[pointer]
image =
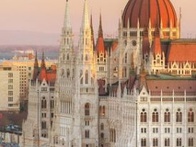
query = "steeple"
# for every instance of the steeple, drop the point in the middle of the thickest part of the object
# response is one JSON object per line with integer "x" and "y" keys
{"x": 36, "y": 68}
{"x": 100, "y": 33}
{"x": 43, "y": 74}
{"x": 43, "y": 65}
{"x": 67, "y": 22}
{"x": 100, "y": 48}
{"x": 85, "y": 19}
{"x": 92, "y": 32}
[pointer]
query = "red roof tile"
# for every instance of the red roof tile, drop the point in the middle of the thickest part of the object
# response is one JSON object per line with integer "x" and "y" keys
{"x": 182, "y": 51}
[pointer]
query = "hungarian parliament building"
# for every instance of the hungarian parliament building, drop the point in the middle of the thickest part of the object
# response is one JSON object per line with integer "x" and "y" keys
{"x": 137, "y": 90}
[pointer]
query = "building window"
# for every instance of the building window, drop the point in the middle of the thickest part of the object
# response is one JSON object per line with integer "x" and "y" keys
{"x": 167, "y": 142}
{"x": 167, "y": 116}
{"x": 44, "y": 103}
{"x": 86, "y": 77}
{"x": 101, "y": 68}
{"x": 167, "y": 130}
{"x": 52, "y": 104}
{"x": 43, "y": 115}
{"x": 190, "y": 116}
{"x": 67, "y": 56}
{"x": 87, "y": 109}
{"x": 190, "y": 130}
{"x": 10, "y": 75}
{"x": 102, "y": 135}
{"x": 155, "y": 116}
{"x": 143, "y": 116}
{"x": 155, "y": 142}
{"x": 43, "y": 125}
{"x": 10, "y": 86}
{"x": 102, "y": 126}
{"x": 102, "y": 110}
{"x": 112, "y": 135}
{"x": 10, "y": 99}
{"x": 178, "y": 142}
{"x": 179, "y": 116}
{"x": 143, "y": 130}
{"x": 68, "y": 73}
{"x": 87, "y": 134}
{"x": 125, "y": 57}
{"x": 190, "y": 142}
{"x": 143, "y": 142}
{"x": 10, "y": 93}
{"x": 155, "y": 130}
{"x": 178, "y": 130}
{"x": 87, "y": 123}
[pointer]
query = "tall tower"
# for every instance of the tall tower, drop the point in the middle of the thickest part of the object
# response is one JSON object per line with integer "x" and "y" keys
{"x": 102, "y": 60}
{"x": 64, "y": 85}
{"x": 85, "y": 125}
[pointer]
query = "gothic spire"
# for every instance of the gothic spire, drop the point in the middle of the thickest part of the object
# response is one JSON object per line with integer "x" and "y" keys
{"x": 100, "y": 27}
{"x": 36, "y": 67}
{"x": 43, "y": 65}
{"x": 67, "y": 22}
{"x": 85, "y": 19}
{"x": 43, "y": 74}
{"x": 92, "y": 32}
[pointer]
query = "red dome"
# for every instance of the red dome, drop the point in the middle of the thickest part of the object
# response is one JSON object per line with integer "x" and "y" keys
{"x": 145, "y": 10}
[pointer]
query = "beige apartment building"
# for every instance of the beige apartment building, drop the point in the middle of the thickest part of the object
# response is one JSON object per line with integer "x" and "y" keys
{"x": 25, "y": 71}
{"x": 9, "y": 100}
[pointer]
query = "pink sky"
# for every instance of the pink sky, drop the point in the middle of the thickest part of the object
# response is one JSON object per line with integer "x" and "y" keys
{"x": 47, "y": 15}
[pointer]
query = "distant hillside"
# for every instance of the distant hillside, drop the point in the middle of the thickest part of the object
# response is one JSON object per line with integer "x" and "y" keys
{"x": 28, "y": 38}
{"x": 8, "y": 51}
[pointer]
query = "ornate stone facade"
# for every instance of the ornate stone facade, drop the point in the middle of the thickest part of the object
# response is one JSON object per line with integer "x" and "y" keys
{"x": 133, "y": 92}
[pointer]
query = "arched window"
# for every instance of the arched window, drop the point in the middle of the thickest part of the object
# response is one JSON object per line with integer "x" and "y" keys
{"x": 155, "y": 116}
{"x": 167, "y": 141}
{"x": 143, "y": 116}
{"x": 68, "y": 73}
{"x": 167, "y": 116}
{"x": 103, "y": 113}
{"x": 102, "y": 135}
{"x": 87, "y": 109}
{"x": 143, "y": 142}
{"x": 190, "y": 116}
{"x": 125, "y": 72}
{"x": 179, "y": 116}
{"x": 86, "y": 77}
{"x": 102, "y": 126}
{"x": 44, "y": 103}
{"x": 51, "y": 104}
{"x": 125, "y": 57}
{"x": 178, "y": 142}
{"x": 62, "y": 72}
{"x": 155, "y": 142}
{"x": 67, "y": 56}
{"x": 63, "y": 142}
{"x": 112, "y": 135}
